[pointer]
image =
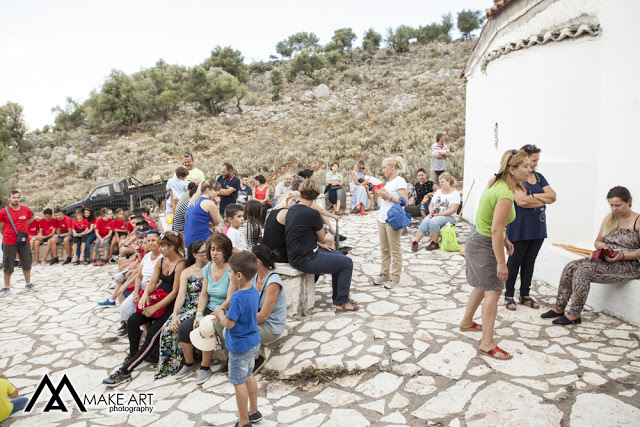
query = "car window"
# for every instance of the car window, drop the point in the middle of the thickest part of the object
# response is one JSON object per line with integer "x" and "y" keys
{"x": 100, "y": 192}
{"x": 117, "y": 188}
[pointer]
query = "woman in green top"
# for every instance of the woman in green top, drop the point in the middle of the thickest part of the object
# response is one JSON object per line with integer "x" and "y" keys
{"x": 216, "y": 291}
{"x": 485, "y": 247}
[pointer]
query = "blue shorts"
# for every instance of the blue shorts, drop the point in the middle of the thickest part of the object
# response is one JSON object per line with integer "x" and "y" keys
{"x": 61, "y": 239}
{"x": 241, "y": 365}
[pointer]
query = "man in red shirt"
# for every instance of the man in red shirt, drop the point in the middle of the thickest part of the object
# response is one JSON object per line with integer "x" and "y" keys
{"x": 48, "y": 226}
{"x": 22, "y": 217}
{"x": 63, "y": 235}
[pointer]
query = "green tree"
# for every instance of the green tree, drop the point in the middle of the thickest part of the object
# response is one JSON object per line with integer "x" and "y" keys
{"x": 213, "y": 87}
{"x": 260, "y": 67}
{"x": 276, "y": 84}
{"x": 230, "y": 60}
{"x": 297, "y": 43}
{"x": 371, "y": 41}
{"x": 333, "y": 57}
{"x": 435, "y": 31}
{"x": 469, "y": 21}
{"x": 122, "y": 99}
{"x": 13, "y": 128}
{"x": 306, "y": 63}
{"x": 401, "y": 38}
{"x": 342, "y": 40}
{"x": 71, "y": 116}
{"x": 167, "y": 81}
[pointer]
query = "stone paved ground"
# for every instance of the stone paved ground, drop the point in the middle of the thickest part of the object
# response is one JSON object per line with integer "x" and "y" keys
{"x": 417, "y": 368}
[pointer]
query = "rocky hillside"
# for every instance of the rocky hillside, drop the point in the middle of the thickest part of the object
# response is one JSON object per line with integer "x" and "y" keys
{"x": 368, "y": 108}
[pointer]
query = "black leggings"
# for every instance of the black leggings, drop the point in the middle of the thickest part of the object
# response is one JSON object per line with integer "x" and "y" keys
{"x": 137, "y": 352}
{"x": 522, "y": 260}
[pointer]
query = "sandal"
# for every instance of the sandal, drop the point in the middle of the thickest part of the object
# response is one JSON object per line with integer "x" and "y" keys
{"x": 492, "y": 353}
{"x": 352, "y": 301}
{"x": 347, "y": 307}
{"x": 510, "y": 303}
{"x": 474, "y": 327}
{"x": 529, "y": 302}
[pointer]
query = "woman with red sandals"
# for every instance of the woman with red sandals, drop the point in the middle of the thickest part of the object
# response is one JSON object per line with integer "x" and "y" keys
{"x": 485, "y": 247}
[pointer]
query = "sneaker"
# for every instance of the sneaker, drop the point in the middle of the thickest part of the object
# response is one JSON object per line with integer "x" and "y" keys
{"x": 4, "y": 292}
{"x": 380, "y": 280}
{"x": 203, "y": 375}
{"x": 414, "y": 246}
{"x": 123, "y": 332}
{"x": 117, "y": 378}
{"x": 389, "y": 284}
{"x": 363, "y": 212}
{"x": 94, "y": 263}
{"x": 81, "y": 259}
{"x": 375, "y": 207}
{"x": 87, "y": 262}
{"x": 123, "y": 326}
{"x": 53, "y": 261}
{"x": 103, "y": 262}
{"x": 185, "y": 370}
{"x": 30, "y": 287}
{"x": 255, "y": 417}
{"x": 67, "y": 261}
{"x": 113, "y": 259}
{"x": 432, "y": 246}
{"x": 259, "y": 364}
{"x": 106, "y": 303}
{"x": 342, "y": 238}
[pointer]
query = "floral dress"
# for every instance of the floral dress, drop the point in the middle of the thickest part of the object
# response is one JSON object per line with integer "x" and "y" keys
{"x": 170, "y": 351}
{"x": 577, "y": 275}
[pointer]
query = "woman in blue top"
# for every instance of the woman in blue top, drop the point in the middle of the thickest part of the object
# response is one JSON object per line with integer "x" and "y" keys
{"x": 528, "y": 231}
{"x": 216, "y": 291}
{"x": 201, "y": 211}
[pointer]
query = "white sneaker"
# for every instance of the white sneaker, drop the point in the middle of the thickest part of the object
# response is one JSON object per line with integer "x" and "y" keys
{"x": 380, "y": 280}
{"x": 203, "y": 375}
{"x": 4, "y": 292}
{"x": 185, "y": 370}
{"x": 30, "y": 287}
{"x": 390, "y": 284}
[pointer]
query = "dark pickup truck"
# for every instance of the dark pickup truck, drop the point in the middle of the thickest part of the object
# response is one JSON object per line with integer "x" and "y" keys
{"x": 128, "y": 193}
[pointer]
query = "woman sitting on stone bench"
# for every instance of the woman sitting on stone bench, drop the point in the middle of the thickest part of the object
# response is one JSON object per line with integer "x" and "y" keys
{"x": 620, "y": 233}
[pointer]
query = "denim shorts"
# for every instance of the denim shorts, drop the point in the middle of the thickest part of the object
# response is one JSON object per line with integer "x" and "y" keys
{"x": 241, "y": 365}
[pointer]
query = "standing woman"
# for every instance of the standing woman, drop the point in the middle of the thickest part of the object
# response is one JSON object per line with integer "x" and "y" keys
{"x": 261, "y": 194}
{"x": 394, "y": 189}
{"x": 166, "y": 276}
{"x": 485, "y": 260}
{"x": 201, "y": 211}
{"x": 620, "y": 232}
{"x": 359, "y": 196}
{"x": 528, "y": 231}
{"x": 191, "y": 281}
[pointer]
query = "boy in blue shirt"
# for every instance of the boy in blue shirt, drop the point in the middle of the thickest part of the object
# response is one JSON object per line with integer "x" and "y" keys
{"x": 242, "y": 337}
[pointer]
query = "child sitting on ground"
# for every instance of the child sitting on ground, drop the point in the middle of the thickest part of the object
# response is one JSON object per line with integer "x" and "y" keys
{"x": 242, "y": 337}
{"x": 8, "y": 391}
{"x": 234, "y": 213}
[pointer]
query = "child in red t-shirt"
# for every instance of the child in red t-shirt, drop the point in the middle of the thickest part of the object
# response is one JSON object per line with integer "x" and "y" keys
{"x": 80, "y": 229}
{"x": 104, "y": 233}
{"x": 120, "y": 232}
{"x": 48, "y": 226}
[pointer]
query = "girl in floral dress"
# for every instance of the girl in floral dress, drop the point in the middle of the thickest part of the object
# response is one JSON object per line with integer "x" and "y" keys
{"x": 185, "y": 307}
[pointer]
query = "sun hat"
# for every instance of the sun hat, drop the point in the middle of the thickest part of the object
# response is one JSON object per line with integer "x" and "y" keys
{"x": 204, "y": 336}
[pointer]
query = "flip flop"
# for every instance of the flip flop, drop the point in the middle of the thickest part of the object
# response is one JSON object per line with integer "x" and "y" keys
{"x": 492, "y": 353}
{"x": 474, "y": 327}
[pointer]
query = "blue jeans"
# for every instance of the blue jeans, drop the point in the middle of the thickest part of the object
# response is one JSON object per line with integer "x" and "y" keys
{"x": 87, "y": 245}
{"x": 241, "y": 365}
{"x": 335, "y": 263}
{"x": 435, "y": 224}
{"x": 19, "y": 403}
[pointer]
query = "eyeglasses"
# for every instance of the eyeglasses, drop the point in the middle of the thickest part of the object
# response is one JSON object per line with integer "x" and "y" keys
{"x": 202, "y": 252}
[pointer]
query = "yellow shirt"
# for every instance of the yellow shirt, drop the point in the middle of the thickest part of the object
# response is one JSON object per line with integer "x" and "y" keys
{"x": 5, "y": 405}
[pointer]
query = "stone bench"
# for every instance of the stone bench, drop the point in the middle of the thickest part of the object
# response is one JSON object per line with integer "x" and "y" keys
{"x": 300, "y": 289}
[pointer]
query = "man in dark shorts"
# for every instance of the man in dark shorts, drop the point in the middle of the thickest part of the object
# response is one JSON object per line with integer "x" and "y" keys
{"x": 230, "y": 185}
{"x": 21, "y": 216}
{"x": 63, "y": 235}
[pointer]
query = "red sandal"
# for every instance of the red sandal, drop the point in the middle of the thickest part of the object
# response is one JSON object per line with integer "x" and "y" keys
{"x": 474, "y": 327}
{"x": 492, "y": 353}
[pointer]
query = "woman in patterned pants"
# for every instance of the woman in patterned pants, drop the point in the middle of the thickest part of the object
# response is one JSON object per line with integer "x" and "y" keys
{"x": 619, "y": 232}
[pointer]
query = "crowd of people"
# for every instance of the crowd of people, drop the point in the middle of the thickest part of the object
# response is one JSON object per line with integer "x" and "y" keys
{"x": 210, "y": 283}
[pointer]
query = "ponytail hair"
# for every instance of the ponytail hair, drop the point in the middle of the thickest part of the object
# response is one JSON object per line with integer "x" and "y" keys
{"x": 396, "y": 162}
{"x": 203, "y": 188}
{"x": 176, "y": 240}
{"x": 611, "y": 221}
{"x": 265, "y": 255}
{"x": 191, "y": 252}
{"x": 510, "y": 158}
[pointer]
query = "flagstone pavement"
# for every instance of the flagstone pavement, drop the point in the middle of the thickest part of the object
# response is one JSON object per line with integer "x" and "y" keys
{"x": 412, "y": 366}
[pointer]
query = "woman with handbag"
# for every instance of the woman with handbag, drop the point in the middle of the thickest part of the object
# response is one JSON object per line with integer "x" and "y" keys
{"x": 393, "y": 191}
{"x": 442, "y": 210}
{"x": 154, "y": 306}
{"x": 485, "y": 247}
{"x": 619, "y": 239}
{"x": 528, "y": 231}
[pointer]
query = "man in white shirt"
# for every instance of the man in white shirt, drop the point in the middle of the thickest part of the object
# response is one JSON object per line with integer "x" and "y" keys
{"x": 283, "y": 187}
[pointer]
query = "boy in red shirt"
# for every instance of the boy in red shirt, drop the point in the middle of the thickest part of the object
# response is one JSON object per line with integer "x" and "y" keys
{"x": 21, "y": 217}
{"x": 80, "y": 229}
{"x": 63, "y": 235}
{"x": 104, "y": 232}
{"x": 48, "y": 226}
{"x": 120, "y": 232}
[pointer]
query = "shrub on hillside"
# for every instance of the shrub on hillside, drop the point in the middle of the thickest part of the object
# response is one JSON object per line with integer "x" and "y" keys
{"x": 371, "y": 41}
{"x": 400, "y": 39}
{"x": 342, "y": 40}
{"x": 306, "y": 63}
{"x": 212, "y": 88}
{"x": 230, "y": 60}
